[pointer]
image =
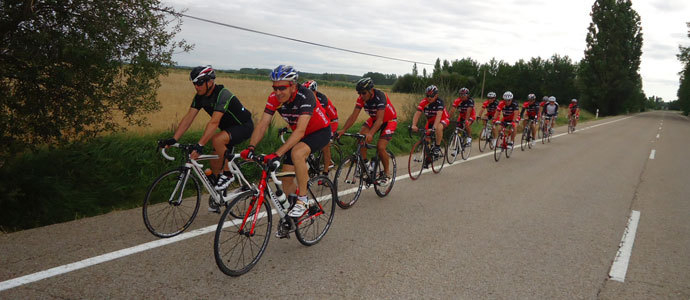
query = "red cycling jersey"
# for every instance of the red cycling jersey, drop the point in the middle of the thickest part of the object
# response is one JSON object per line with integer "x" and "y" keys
{"x": 303, "y": 102}
{"x": 463, "y": 107}
{"x": 573, "y": 108}
{"x": 430, "y": 109}
{"x": 508, "y": 110}
{"x": 331, "y": 112}
{"x": 490, "y": 108}
{"x": 379, "y": 101}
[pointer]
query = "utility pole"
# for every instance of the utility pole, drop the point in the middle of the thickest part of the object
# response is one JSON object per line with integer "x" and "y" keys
{"x": 483, "y": 81}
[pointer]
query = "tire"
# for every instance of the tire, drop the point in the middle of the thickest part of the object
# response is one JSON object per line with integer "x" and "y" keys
{"x": 453, "y": 149}
{"x": 383, "y": 191}
{"x": 415, "y": 163}
{"x": 498, "y": 149}
{"x": 167, "y": 210}
{"x": 544, "y": 134}
{"x": 313, "y": 225}
{"x": 485, "y": 141}
{"x": 347, "y": 185}
{"x": 548, "y": 135}
{"x": 466, "y": 149}
{"x": 438, "y": 162}
{"x": 509, "y": 149}
{"x": 237, "y": 252}
{"x": 252, "y": 172}
{"x": 523, "y": 139}
{"x": 530, "y": 138}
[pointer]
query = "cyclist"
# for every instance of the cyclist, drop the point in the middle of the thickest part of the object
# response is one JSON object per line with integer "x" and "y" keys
{"x": 310, "y": 130}
{"x": 509, "y": 108}
{"x": 465, "y": 105}
{"x": 574, "y": 111}
{"x": 436, "y": 115}
{"x": 550, "y": 112}
{"x": 382, "y": 117}
{"x": 332, "y": 114}
{"x": 532, "y": 108}
{"x": 490, "y": 105}
{"x": 227, "y": 114}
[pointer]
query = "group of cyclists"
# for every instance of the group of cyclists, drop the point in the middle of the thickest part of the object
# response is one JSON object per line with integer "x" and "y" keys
{"x": 313, "y": 119}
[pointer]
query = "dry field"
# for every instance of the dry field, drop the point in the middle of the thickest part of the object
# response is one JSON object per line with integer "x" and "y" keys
{"x": 176, "y": 93}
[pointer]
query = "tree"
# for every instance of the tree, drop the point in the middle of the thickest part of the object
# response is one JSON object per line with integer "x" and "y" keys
{"x": 70, "y": 69}
{"x": 683, "y": 102}
{"x": 609, "y": 77}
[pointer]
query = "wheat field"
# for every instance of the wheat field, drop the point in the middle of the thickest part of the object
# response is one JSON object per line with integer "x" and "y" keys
{"x": 176, "y": 93}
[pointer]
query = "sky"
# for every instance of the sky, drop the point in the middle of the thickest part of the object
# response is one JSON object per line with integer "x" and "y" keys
{"x": 420, "y": 31}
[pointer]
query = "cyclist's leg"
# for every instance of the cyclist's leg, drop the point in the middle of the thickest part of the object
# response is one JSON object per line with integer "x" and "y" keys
{"x": 229, "y": 137}
{"x": 513, "y": 132}
{"x": 439, "y": 132}
{"x": 326, "y": 157}
{"x": 219, "y": 140}
{"x": 384, "y": 138}
{"x": 366, "y": 127}
{"x": 534, "y": 127}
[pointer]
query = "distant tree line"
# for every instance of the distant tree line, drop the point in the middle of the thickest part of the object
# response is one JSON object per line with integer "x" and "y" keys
{"x": 683, "y": 102}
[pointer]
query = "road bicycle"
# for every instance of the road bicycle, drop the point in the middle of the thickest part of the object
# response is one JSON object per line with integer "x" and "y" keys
{"x": 502, "y": 145}
{"x": 540, "y": 127}
{"x": 240, "y": 241}
{"x": 172, "y": 201}
{"x": 527, "y": 140}
{"x": 353, "y": 174}
{"x": 571, "y": 124}
{"x": 457, "y": 144}
{"x": 548, "y": 131}
{"x": 315, "y": 159}
{"x": 422, "y": 154}
{"x": 486, "y": 135}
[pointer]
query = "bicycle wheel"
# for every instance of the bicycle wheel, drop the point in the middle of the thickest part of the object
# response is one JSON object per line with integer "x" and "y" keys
{"x": 171, "y": 203}
{"x": 437, "y": 162}
{"x": 252, "y": 172}
{"x": 336, "y": 158}
{"x": 465, "y": 147}
{"x": 523, "y": 139}
{"x": 415, "y": 163}
{"x": 238, "y": 250}
{"x": 544, "y": 134}
{"x": 485, "y": 138}
{"x": 379, "y": 170}
{"x": 498, "y": 148}
{"x": 348, "y": 182}
{"x": 509, "y": 148}
{"x": 548, "y": 135}
{"x": 453, "y": 147}
{"x": 530, "y": 138}
{"x": 313, "y": 225}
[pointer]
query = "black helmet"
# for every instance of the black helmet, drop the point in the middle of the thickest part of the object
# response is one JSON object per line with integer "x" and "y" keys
{"x": 365, "y": 84}
{"x": 202, "y": 74}
{"x": 431, "y": 91}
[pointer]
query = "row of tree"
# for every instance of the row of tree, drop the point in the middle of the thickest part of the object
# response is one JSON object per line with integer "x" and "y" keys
{"x": 683, "y": 101}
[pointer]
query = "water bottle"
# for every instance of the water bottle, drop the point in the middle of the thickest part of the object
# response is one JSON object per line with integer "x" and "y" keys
{"x": 210, "y": 176}
{"x": 282, "y": 199}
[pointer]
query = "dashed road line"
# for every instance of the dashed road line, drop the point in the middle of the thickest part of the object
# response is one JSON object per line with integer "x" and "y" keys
{"x": 620, "y": 263}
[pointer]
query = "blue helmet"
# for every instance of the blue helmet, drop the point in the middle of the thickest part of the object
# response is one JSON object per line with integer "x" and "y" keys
{"x": 284, "y": 72}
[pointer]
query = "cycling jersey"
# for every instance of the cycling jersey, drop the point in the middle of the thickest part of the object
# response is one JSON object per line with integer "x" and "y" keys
{"x": 221, "y": 99}
{"x": 507, "y": 110}
{"x": 490, "y": 108}
{"x": 531, "y": 108}
{"x": 551, "y": 109}
{"x": 303, "y": 102}
{"x": 331, "y": 112}
{"x": 430, "y": 109}
{"x": 573, "y": 108}
{"x": 379, "y": 100}
{"x": 463, "y": 107}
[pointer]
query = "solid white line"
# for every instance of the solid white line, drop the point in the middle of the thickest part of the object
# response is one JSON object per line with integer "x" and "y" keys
{"x": 622, "y": 259}
{"x": 8, "y": 284}
{"x": 651, "y": 155}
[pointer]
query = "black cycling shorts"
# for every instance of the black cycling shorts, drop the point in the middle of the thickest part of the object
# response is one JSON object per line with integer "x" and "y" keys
{"x": 239, "y": 133}
{"x": 316, "y": 141}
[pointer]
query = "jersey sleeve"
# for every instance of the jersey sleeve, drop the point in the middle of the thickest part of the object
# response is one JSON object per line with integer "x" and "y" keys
{"x": 307, "y": 105}
{"x": 486, "y": 104}
{"x": 195, "y": 104}
{"x": 331, "y": 110}
{"x": 224, "y": 99}
{"x": 457, "y": 102}
{"x": 272, "y": 104}
{"x": 422, "y": 104}
{"x": 359, "y": 103}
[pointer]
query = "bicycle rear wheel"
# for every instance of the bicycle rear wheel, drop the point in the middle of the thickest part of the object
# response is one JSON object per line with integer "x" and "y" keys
{"x": 313, "y": 225}
{"x": 237, "y": 251}
{"x": 437, "y": 162}
{"x": 498, "y": 148}
{"x": 524, "y": 139}
{"x": 348, "y": 182}
{"x": 464, "y": 146}
{"x": 379, "y": 170}
{"x": 453, "y": 147}
{"x": 415, "y": 163}
{"x": 171, "y": 203}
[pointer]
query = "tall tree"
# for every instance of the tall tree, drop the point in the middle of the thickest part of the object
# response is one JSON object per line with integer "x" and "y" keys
{"x": 609, "y": 77}
{"x": 684, "y": 88}
{"x": 70, "y": 69}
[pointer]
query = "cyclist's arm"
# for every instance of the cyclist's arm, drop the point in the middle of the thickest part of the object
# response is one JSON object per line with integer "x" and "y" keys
{"x": 522, "y": 112}
{"x": 260, "y": 129}
{"x": 296, "y": 135}
{"x": 415, "y": 118}
{"x": 211, "y": 127}
{"x": 351, "y": 119}
{"x": 481, "y": 112}
{"x": 380, "y": 114}
{"x": 185, "y": 123}
{"x": 470, "y": 111}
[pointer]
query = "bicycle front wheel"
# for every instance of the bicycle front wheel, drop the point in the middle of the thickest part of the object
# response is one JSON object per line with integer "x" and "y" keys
{"x": 171, "y": 203}
{"x": 348, "y": 182}
{"x": 453, "y": 147}
{"x": 235, "y": 247}
{"x": 415, "y": 163}
{"x": 466, "y": 147}
{"x": 437, "y": 161}
{"x": 383, "y": 189}
{"x": 523, "y": 139}
{"x": 313, "y": 225}
{"x": 483, "y": 142}
{"x": 498, "y": 148}
{"x": 509, "y": 148}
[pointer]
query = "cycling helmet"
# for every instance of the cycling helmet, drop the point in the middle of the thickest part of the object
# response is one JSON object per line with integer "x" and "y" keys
{"x": 431, "y": 91}
{"x": 531, "y": 97}
{"x": 491, "y": 95}
{"x": 546, "y": 98}
{"x": 311, "y": 84}
{"x": 552, "y": 99}
{"x": 202, "y": 74}
{"x": 365, "y": 84}
{"x": 464, "y": 91}
{"x": 574, "y": 100}
{"x": 284, "y": 72}
{"x": 508, "y": 95}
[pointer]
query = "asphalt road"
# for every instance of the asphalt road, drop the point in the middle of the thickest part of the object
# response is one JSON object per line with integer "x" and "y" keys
{"x": 545, "y": 223}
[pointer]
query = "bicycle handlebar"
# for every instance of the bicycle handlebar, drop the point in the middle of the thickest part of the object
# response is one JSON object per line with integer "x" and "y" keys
{"x": 186, "y": 148}
{"x": 282, "y": 132}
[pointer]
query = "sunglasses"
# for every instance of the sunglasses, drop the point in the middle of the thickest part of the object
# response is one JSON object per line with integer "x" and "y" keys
{"x": 362, "y": 92}
{"x": 199, "y": 82}
{"x": 280, "y": 87}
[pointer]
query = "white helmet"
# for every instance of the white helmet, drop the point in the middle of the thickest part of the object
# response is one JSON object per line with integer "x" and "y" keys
{"x": 508, "y": 95}
{"x": 552, "y": 99}
{"x": 491, "y": 95}
{"x": 574, "y": 100}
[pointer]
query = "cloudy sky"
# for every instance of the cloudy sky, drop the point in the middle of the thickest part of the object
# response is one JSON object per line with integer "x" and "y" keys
{"x": 419, "y": 31}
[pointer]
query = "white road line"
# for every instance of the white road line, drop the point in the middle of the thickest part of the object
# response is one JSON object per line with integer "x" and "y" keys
{"x": 651, "y": 155}
{"x": 620, "y": 262}
{"x": 12, "y": 283}
{"x": 657, "y": 136}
